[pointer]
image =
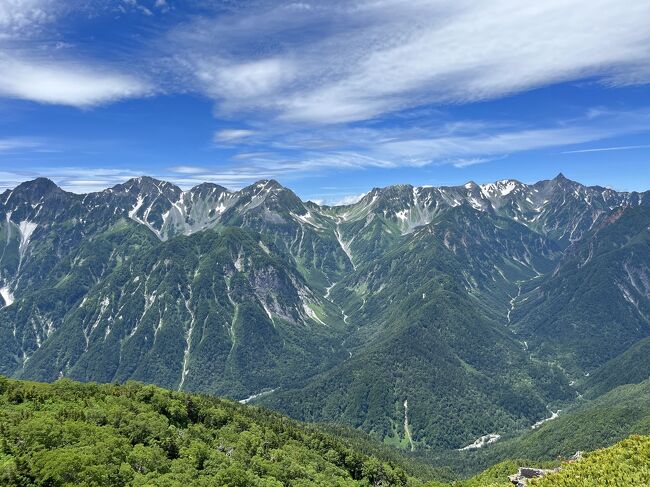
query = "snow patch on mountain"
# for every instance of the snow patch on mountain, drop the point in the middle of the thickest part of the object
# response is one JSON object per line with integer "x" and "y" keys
{"x": 26, "y": 230}
{"x": 345, "y": 246}
{"x": 501, "y": 188}
{"x": 7, "y": 295}
{"x": 188, "y": 340}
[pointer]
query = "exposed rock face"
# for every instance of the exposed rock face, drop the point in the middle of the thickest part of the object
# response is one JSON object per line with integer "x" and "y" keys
{"x": 520, "y": 479}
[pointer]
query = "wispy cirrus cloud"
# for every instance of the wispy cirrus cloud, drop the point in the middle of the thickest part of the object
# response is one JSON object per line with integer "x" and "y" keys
{"x": 330, "y": 62}
{"x": 292, "y": 156}
{"x": 340, "y": 61}
{"x": 458, "y": 143}
{"x": 311, "y": 87}
{"x": 471, "y": 161}
{"x": 349, "y": 199}
{"x": 232, "y": 135}
{"x": 20, "y": 18}
{"x": 607, "y": 149}
{"x": 18, "y": 143}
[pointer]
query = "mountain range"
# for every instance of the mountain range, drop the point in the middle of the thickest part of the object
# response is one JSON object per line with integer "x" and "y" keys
{"x": 429, "y": 317}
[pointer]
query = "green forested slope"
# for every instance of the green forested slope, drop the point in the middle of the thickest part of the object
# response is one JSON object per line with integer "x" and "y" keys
{"x": 427, "y": 335}
{"x": 596, "y": 304}
{"x": 626, "y": 463}
{"x": 622, "y": 412}
{"x": 42, "y": 309}
{"x": 631, "y": 367}
{"x": 216, "y": 311}
{"x": 68, "y": 433}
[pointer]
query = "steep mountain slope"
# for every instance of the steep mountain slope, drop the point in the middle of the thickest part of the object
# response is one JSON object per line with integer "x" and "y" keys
{"x": 40, "y": 224}
{"x": 485, "y": 254}
{"x": 215, "y": 311}
{"x": 630, "y": 367}
{"x": 301, "y": 229}
{"x": 58, "y": 246}
{"x": 40, "y": 310}
{"x": 596, "y": 304}
{"x": 429, "y": 351}
{"x": 559, "y": 208}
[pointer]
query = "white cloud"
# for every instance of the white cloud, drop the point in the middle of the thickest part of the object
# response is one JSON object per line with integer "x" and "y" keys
{"x": 230, "y": 135}
{"x": 187, "y": 169}
{"x": 33, "y": 69}
{"x": 341, "y": 62}
{"x": 472, "y": 161}
{"x": 246, "y": 80}
{"x": 349, "y": 199}
{"x": 20, "y": 17}
{"x": 65, "y": 83}
{"x": 337, "y": 61}
{"x": 252, "y": 155}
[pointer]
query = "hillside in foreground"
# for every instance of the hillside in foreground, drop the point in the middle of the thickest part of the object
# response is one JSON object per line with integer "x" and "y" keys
{"x": 625, "y": 463}
{"x": 69, "y": 433}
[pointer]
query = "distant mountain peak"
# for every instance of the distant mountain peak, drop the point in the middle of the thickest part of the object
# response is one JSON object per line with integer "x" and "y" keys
{"x": 268, "y": 184}
{"x": 208, "y": 186}
{"x": 147, "y": 184}
{"x": 34, "y": 190}
{"x": 562, "y": 180}
{"x": 502, "y": 187}
{"x": 41, "y": 184}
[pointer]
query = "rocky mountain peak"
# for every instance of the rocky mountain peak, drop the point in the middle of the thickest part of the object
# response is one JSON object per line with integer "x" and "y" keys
{"x": 146, "y": 185}
{"x": 34, "y": 190}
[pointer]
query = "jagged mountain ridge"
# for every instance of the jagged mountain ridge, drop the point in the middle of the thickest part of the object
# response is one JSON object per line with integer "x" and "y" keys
{"x": 559, "y": 207}
{"x": 355, "y": 270}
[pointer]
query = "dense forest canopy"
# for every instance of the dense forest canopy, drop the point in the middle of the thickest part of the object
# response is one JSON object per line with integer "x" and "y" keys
{"x": 69, "y": 433}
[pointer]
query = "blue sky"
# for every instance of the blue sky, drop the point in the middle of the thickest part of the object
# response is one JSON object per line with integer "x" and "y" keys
{"x": 330, "y": 98}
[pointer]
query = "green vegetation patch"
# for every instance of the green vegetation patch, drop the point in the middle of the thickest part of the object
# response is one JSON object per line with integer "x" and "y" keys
{"x": 68, "y": 433}
{"x": 626, "y": 463}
